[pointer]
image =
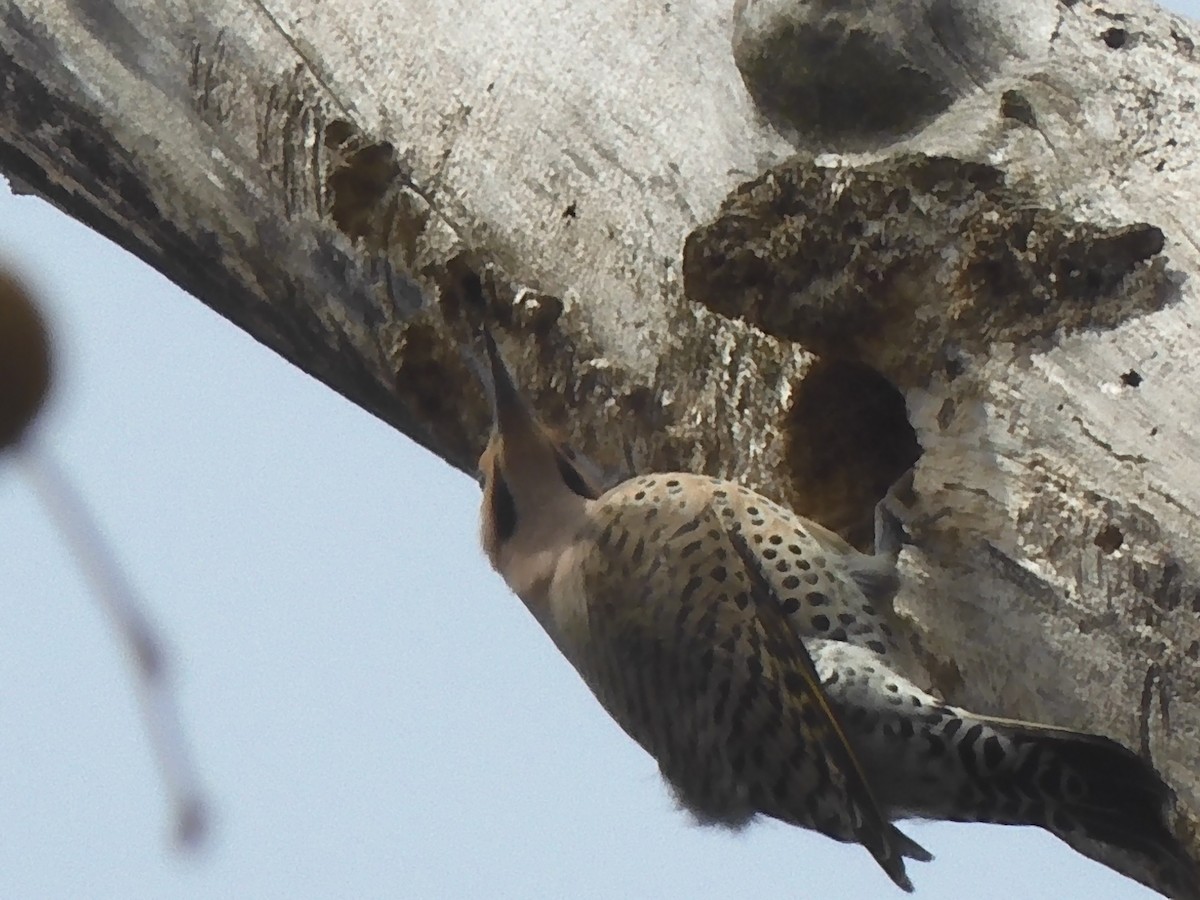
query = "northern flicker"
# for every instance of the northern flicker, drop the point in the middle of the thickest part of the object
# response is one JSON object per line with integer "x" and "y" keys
{"x": 751, "y": 652}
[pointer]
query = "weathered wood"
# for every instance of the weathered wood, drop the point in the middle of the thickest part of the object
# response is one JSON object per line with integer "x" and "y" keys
{"x": 311, "y": 170}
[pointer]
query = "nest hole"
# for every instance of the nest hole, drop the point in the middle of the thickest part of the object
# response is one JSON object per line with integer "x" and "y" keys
{"x": 849, "y": 440}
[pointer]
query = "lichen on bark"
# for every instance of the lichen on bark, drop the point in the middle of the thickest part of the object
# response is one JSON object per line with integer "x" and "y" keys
{"x": 915, "y": 264}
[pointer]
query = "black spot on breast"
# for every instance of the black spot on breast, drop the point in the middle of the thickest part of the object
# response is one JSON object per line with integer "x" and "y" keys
{"x": 877, "y": 647}
{"x": 769, "y": 554}
{"x": 790, "y": 606}
{"x": 719, "y": 574}
{"x": 503, "y": 509}
{"x": 815, "y": 598}
{"x": 775, "y": 539}
{"x": 686, "y": 528}
{"x": 820, "y": 623}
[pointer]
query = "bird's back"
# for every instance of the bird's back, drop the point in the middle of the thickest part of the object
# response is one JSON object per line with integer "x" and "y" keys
{"x": 826, "y": 588}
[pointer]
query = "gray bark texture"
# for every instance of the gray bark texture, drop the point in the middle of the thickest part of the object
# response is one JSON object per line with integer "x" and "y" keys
{"x": 801, "y": 244}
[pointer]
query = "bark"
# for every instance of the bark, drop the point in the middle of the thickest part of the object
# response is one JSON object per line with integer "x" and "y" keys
{"x": 799, "y": 244}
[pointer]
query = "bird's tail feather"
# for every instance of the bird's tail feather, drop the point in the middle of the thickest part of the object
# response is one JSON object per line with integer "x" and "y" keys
{"x": 1102, "y": 799}
{"x": 910, "y": 848}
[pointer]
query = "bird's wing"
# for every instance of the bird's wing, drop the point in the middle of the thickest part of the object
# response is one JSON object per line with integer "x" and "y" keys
{"x": 686, "y": 644}
{"x": 885, "y": 842}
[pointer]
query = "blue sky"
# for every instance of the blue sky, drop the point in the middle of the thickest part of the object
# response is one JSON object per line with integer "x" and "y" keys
{"x": 371, "y": 712}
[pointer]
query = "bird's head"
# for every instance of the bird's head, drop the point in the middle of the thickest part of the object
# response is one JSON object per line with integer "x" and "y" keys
{"x": 528, "y": 470}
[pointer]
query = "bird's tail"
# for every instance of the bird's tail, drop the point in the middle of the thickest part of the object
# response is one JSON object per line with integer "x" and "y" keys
{"x": 1095, "y": 794}
{"x": 927, "y": 760}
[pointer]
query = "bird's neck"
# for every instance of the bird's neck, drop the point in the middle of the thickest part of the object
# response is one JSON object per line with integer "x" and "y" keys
{"x": 545, "y": 531}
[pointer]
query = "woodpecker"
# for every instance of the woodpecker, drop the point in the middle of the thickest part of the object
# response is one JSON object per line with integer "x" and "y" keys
{"x": 752, "y": 654}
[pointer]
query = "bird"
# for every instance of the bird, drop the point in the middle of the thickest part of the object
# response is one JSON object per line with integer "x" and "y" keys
{"x": 754, "y": 655}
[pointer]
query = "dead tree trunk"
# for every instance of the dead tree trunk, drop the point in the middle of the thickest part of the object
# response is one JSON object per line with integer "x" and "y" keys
{"x": 987, "y": 271}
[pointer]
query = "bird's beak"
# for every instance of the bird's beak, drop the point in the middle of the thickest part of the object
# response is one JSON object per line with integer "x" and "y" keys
{"x": 510, "y": 415}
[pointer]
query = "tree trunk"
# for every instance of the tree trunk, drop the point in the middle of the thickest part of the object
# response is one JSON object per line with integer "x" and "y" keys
{"x": 986, "y": 272}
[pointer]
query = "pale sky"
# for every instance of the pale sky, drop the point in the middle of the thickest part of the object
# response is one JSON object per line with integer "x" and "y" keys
{"x": 372, "y": 713}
